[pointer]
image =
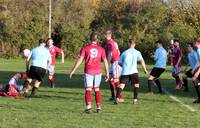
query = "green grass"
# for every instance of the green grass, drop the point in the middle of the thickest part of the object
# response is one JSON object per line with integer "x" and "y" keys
{"x": 63, "y": 106}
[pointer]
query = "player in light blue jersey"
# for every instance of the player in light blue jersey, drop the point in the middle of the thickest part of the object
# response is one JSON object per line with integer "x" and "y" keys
{"x": 193, "y": 62}
{"x": 161, "y": 61}
{"x": 196, "y": 74}
{"x": 41, "y": 59}
{"x": 128, "y": 61}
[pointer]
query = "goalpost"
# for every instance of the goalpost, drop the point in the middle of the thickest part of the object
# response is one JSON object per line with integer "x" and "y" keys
{"x": 49, "y": 18}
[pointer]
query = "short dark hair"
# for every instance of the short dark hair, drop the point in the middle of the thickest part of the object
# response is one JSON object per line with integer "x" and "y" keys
{"x": 159, "y": 42}
{"x": 49, "y": 39}
{"x": 132, "y": 40}
{"x": 190, "y": 44}
{"x": 41, "y": 41}
{"x": 94, "y": 36}
{"x": 176, "y": 40}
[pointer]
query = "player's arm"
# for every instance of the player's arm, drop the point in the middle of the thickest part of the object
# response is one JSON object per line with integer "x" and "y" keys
{"x": 63, "y": 56}
{"x": 76, "y": 65}
{"x": 28, "y": 61}
{"x": 143, "y": 66}
{"x": 107, "y": 69}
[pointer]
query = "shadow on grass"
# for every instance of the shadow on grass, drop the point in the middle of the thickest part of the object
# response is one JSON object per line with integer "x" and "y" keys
{"x": 62, "y": 81}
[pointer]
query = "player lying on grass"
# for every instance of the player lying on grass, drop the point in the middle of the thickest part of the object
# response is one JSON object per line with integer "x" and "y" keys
{"x": 13, "y": 88}
{"x": 92, "y": 53}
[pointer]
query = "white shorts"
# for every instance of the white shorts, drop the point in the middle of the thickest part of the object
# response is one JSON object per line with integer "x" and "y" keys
{"x": 92, "y": 81}
{"x": 51, "y": 70}
{"x": 115, "y": 70}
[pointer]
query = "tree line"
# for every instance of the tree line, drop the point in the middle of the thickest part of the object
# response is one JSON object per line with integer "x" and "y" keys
{"x": 24, "y": 22}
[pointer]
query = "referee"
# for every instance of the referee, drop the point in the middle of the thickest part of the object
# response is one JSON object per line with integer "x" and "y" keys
{"x": 40, "y": 59}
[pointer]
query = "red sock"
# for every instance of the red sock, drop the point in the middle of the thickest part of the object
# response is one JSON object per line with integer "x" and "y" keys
{"x": 88, "y": 97}
{"x": 98, "y": 98}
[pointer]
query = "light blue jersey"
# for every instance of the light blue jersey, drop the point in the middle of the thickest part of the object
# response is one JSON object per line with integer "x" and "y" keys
{"x": 198, "y": 53}
{"x": 40, "y": 57}
{"x": 128, "y": 60}
{"x": 161, "y": 58}
{"x": 192, "y": 58}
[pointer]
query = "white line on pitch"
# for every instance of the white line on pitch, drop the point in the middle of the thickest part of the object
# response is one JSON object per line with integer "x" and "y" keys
{"x": 179, "y": 101}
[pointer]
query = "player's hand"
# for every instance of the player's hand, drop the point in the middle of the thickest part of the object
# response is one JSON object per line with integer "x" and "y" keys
{"x": 70, "y": 75}
{"x": 63, "y": 61}
{"x": 176, "y": 65}
{"x": 145, "y": 71}
{"x": 107, "y": 78}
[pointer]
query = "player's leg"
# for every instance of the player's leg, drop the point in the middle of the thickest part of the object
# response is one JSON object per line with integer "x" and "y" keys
{"x": 51, "y": 76}
{"x": 116, "y": 76}
{"x": 88, "y": 83}
{"x": 119, "y": 89}
{"x": 150, "y": 80}
{"x": 39, "y": 75}
{"x": 197, "y": 88}
{"x": 175, "y": 74}
{"x": 97, "y": 83}
{"x": 136, "y": 85}
{"x": 185, "y": 79}
{"x": 26, "y": 85}
{"x": 112, "y": 88}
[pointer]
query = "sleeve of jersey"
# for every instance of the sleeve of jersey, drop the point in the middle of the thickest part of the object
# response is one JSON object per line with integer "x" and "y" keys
{"x": 180, "y": 53}
{"x": 82, "y": 53}
{"x": 58, "y": 50}
{"x": 139, "y": 56}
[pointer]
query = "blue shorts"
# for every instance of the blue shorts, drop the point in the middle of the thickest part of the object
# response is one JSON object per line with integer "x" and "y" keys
{"x": 176, "y": 70}
{"x": 115, "y": 70}
{"x": 51, "y": 70}
{"x": 92, "y": 81}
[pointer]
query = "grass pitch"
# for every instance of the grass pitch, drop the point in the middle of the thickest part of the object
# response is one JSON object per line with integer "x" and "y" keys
{"x": 63, "y": 106}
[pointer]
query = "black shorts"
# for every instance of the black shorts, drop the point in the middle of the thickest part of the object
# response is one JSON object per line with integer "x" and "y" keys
{"x": 196, "y": 71}
{"x": 127, "y": 78}
{"x": 189, "y": 73}
{"x": 156, "y": 72}
{"x": 37, "y": 73}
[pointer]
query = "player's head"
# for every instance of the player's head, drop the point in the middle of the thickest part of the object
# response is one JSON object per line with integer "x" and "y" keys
{"x": 159, "y": 43}
{"x": 190, "y": 47}
{"x": 94, "y": 37}
{"x": 176, "y": 43}
{"x": 7, "y": 87}
{"x": 197, "y": 42}
{"x": 108, "y": 34}
{"x": 42, "y": 42}
{"x": 49, "y": 41}
{"x": 25, "y": 53}
{"x": 132, "y": 42}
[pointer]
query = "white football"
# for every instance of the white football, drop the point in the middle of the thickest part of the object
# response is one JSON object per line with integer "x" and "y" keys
{"x": 26, "y": 52}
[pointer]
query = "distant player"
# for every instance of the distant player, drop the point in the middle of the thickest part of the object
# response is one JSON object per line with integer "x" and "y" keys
{"x": 53, "y": 51}
{"x": 13, "y": 88}
{"x": 40, "y": 60}
{"x": 92, "y": 53}
{"x": 161, "y": 62}
{"x": 177, "y": 56}
{"x": 113, "y": 55}
{"x": 193, "y": 63}
{"x": 196, "y": 76}
{"x": 128, "y": 61}
{"x": 170, "y": 51}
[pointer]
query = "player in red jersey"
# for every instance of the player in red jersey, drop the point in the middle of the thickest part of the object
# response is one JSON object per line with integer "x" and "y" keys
{"x": 92, "y": 53}
{"x": 177, "y": 56}
{"x": 113, "y": 55}
{"x": 13, "y": 88}
{"x": 53, "y": 51}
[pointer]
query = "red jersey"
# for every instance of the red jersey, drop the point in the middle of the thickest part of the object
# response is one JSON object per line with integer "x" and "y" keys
{"x": 177, "y": 52}
{"x": 93, "y": 54}
{"x": 53, "y": 51}
{"x": 112, "y": 47}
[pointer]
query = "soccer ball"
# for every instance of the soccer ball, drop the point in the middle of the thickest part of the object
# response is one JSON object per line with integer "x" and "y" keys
{"x": 26, "y": 52}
